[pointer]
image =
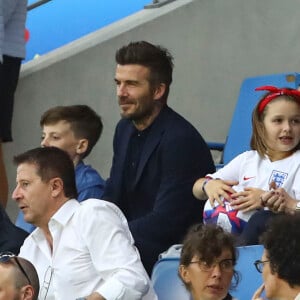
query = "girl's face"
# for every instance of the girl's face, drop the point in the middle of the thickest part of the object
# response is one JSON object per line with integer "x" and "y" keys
{"x": 282, "y": 126}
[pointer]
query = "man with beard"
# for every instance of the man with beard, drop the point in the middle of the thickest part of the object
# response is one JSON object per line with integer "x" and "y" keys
{"x": 158, "y": 155}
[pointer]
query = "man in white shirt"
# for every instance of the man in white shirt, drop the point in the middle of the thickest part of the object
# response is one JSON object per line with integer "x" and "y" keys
{"x": 79, "y": 250}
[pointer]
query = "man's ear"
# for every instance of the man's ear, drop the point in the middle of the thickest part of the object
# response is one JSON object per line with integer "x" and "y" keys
{"x": 159, "y": 91}
{"x": 184, "y": 274}
{"x": 82, "y": 146}
{"x": 57, "y": 186}
{"x": 27, "y": 292}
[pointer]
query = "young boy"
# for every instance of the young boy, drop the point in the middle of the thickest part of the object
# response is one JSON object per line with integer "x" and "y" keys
{"x": 74, "y": 129}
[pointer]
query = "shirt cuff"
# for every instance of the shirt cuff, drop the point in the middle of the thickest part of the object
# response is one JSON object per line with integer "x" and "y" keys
{"x": 113, "y": 289}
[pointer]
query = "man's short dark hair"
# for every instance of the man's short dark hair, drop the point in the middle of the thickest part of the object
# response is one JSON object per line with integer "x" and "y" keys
{"x": 19, "y": 279}
{"x": 51, "y": 162}
{"x": 84, "y": 122}
{"x": 31, "y": 273}
{"x": 156, "y": 58}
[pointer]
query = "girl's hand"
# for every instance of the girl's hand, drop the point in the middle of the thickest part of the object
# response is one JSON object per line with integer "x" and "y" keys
{"x": 279, "y": 201}
{"x": 216, "y": 189}
{"x": 248, "y": 199}
{"x": 272, "y": 200}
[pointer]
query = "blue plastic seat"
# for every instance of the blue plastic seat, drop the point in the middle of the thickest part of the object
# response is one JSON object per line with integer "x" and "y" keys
{"x": 239, "y": 134}
{"x": 168, "y": 285}
{"x": 166, "y": 282}
{"x": 250, "y": 279}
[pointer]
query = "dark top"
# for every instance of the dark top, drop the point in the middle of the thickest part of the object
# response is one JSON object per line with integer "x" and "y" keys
{"x": 11, "y": 237}
{"x": 133, "y": 156}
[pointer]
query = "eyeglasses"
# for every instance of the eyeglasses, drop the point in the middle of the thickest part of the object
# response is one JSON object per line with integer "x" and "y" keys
{"x": 259, "y": 264}
{"x": 46, "y": 282}
{"x": 225, "y": 265}
{"x": 8, "y": 256}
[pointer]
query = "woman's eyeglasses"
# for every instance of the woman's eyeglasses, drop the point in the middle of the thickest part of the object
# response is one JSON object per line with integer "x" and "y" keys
{"x": 259, "y": 265}
{"x": 6, "y": 257}
{"x": 225, "y": 265}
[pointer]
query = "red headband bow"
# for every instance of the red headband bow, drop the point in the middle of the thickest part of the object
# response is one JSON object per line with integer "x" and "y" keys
{"x": 275, "y": 92}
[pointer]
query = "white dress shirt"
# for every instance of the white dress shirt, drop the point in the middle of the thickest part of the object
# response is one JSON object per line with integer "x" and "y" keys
{"x": 93, "y": 251}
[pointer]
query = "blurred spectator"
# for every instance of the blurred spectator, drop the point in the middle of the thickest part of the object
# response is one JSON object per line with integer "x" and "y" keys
{"x": 12, "y": 51}
{"x": 11, "y": 236}
{"x": 280, "y": 262}
{"x": 18, "y": 278}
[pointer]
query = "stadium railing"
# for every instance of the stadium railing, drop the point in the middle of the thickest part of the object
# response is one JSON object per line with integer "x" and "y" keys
{"x": 158, "y": 3}
{"x": 37, "y": 4}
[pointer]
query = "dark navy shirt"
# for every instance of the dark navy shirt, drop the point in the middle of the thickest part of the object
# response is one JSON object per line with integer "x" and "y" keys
{"x": 133, "y": 156}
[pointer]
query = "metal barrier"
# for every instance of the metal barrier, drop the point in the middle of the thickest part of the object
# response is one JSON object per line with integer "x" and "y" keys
{"x": 36, "y": 4}
{"x": 158, "y": 3}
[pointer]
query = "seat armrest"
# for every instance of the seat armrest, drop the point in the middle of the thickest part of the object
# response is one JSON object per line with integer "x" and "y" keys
{"x": 216, "y": 146}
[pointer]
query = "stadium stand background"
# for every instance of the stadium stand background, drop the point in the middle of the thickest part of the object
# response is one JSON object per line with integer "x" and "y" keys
{"x": 216, "y": 45}
{"x": 54, "y": 23}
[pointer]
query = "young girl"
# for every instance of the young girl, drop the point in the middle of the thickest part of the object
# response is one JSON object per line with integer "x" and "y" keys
{"x": 268, "y": 176}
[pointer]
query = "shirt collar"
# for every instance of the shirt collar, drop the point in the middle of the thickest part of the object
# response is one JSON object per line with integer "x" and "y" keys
{"x": 62, "y": 216}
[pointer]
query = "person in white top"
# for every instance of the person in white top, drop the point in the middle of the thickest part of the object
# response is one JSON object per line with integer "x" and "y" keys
{"x": 280, "y": 262}
{"x": 96, "y": 261}
{"x": 266, "y": 179}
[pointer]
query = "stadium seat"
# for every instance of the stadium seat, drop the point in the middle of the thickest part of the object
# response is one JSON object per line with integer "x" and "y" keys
{"x": 250, "y": 279}
{"x": 166, "y": 282}
{"x": 239, "y": 134}
{"x": 168, "y": 286}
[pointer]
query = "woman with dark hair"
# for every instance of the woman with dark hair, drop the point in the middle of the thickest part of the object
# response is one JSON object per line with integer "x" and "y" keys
{"x": 207, "y": 262}
{"x": 280, "y": 262}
